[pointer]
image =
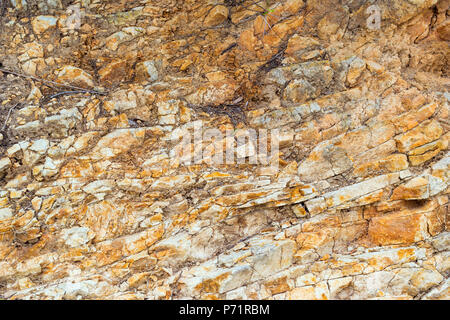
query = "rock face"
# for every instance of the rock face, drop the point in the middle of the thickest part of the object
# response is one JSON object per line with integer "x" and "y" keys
{"x": 283, "y": 149}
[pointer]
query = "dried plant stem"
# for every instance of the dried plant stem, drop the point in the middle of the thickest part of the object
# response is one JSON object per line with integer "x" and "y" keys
{"x": 9, "y": 114}
{"x": 52, "y": 83}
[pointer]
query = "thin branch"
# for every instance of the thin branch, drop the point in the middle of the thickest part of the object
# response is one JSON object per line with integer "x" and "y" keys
{"x": 62, "y": 93}
{"x": 53, "y": 82}
{"x": 9, "y": 114}
{"x": 229, "y": 48}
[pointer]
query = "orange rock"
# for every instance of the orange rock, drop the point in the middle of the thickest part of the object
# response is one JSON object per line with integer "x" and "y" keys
{"x": 213, "y": 285}
{"x": 247, "y": 40}
{"x": 392, "y": 163}
{"x": 412, "y": 99}
{"x": 427, "y": 151}
{"x": 311, "y": 240}
{"x": 444, "y": 31}
{"x": 278, "y": 285}
{"x": 114, "y": 72}
{"x": 75, "y": 76}
{"x": 216, "y": 16}
{"x": 41, "y": 24}
{"x": 297, "y": 43}
{"x": 405, "y": 122}
{"x": 427, "y": 132}
{"x": 416, "y": 188}
{"x": 397, "y": 228}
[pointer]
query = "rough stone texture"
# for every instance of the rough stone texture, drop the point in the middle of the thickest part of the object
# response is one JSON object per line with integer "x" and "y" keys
{"x": 95, "y": 202}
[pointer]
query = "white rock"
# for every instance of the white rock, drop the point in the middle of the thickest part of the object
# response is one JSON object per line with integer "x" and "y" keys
{"x": 6, "y": 213}
{"x": 5, "y": 164}
{"x": 99, "y": 188}
{"x": 40, "y": 146}
{"x": 43, "y": 23}
{"x": 151, "y": 70}
{"x": 76, "y": 236}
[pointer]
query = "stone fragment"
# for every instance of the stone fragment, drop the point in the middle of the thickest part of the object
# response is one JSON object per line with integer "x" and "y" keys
{"x": 123, "y": 100}
{"x": 416, "y": 188}
{"x": 169, "y": 107}
{"x": 392, "y": 163}
{"x": 167, "y": 183}
{"x": 76, "y": 236}
{"x": 421, "y": 187}
{"x": 147, "y": 71}
{"x": 397, "y": 228}
{"x": 216, "y": 16}
{"x": 319, "y": 291}
{"x": 444, "y": 31}
{"x": 31, "y": 50}
{"x": 41, "y": 24}
{"x": 19, "y": 4}
{"x": 354, "y": 191}
{"x": 269, "y": 257}
{"x": 40, "y": 146}
{"x": 59, "y": 125}
{"x": 425, "y": 279}
{"x": 29, "y": 129}
{"x": 374, "y": 67}
{"x": 5, "y": 164}
{"x": 355, "y": 70}
{"x": 99, "y": 188}
{"x": 426, "y": 152}
{"x": 126, "y": 34}
{"x": 405, "y": 122}
{"x": 114, "y": 72}
{"x": 75, "y": 76}
{"x": 117, "y": 142}
{"x": 6, "y": 213}
{"x": 426, "y": 132}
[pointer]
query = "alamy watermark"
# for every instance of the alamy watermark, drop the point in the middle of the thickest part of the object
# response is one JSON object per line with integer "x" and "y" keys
{"x": 74, "y": 18}
{"x": 373, "y": 22}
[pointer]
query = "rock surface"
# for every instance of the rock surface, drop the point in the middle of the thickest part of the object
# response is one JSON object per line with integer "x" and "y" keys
{"x": 100, "y": 196}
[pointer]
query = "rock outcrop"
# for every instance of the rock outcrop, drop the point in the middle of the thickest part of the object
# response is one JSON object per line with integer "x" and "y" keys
{"x": 114, "y": 116}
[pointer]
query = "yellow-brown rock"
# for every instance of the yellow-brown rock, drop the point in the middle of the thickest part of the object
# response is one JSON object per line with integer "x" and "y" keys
{"x": 397, "y": 228}
{"x": 113, "y": 72}
{"x": 216, "y": 16}
{"x": 426, "y": 132}
{"x": 75, "y": 76}
{"x": 414, "y": 189}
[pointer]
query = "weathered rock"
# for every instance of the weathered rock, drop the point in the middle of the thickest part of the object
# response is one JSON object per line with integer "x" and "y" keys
{"x": 427, "y": 132}
{"x": 114, "y": 72}
{"x": 398, "y": 228}
{"x": 335, "y": 179}
{"x": 75, "y": 76}
{"x": 59, "y": 125}
{"x": 43, "y": 23}
{"x": 147, "y": 71}
{"x": 216, "y": 16}
{"x": 5, "y": 164}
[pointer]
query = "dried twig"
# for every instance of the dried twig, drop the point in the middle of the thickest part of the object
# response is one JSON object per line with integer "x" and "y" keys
{"x": 53, "y": 83}
{"x": 263, "y": 14}
{"x": 9, "y": 114}
{"x": 229, "y": 48}
{"x": 62, "y": 93}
